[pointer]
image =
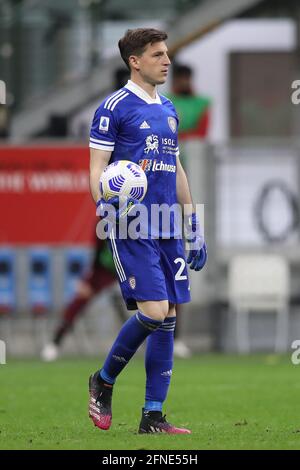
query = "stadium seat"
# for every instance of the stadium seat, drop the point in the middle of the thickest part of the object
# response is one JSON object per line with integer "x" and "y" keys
{"x": 259, "y": 283}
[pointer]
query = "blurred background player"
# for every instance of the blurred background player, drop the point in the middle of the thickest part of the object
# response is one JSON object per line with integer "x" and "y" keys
{"x": 101, "y": 276}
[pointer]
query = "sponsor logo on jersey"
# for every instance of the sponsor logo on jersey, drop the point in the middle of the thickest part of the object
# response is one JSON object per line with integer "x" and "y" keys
{"x": 145, "y": 164}
{"x": 166, "y": 141}
{"x": 172, "y": 124}
{"x": 144, "y": 125}
{"x": 154, "y": 165}
{"x": 104, "y": 123}
{"x": 161, "y": 166}
{"x": 151, "y": 144}
{"x": 132, "y": 282}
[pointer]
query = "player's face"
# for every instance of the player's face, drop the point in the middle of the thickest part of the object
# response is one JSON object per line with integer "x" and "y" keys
{"x": 154, "y": 63}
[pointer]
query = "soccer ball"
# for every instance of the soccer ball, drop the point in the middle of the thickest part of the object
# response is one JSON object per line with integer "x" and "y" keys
{"x": 124, "y": 179}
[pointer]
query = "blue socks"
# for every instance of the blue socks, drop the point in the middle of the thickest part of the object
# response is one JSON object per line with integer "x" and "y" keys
{"x": 131, "y": 336}
{"x": 159, "y": 363}
{"x": 158, "y": 358}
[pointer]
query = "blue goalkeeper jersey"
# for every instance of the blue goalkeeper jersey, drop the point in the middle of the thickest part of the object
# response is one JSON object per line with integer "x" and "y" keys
{"x": 135, "y": 127}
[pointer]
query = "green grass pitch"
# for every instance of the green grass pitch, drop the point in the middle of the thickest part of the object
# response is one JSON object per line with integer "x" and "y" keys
{"x": 228, "y": 402}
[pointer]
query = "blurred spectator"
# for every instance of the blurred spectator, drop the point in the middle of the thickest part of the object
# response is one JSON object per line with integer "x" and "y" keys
{"x": 193, "y": 110}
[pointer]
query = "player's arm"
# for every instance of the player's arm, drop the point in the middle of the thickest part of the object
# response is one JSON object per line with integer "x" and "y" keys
{"x": 182, "y": 187}
{"x": 104, "y": 131}
{"x": 197, "y": 254}
{"x": 98, "y": 162}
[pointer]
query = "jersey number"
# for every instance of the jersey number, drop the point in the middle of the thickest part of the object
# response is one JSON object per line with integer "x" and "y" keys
{"x": 178, "y": 275}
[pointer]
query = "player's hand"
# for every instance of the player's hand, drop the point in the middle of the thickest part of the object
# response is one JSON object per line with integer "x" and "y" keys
{"x": 197, "y": 253}
{"x": 115, "y": 208}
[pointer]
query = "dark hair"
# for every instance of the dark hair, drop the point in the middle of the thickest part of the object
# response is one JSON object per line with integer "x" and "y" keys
{"x": 181, "y": 70}
{"x": 135, "y": 40}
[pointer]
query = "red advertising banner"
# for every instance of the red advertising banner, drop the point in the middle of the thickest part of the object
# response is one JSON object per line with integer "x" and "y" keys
{"x": 44, "y": 195}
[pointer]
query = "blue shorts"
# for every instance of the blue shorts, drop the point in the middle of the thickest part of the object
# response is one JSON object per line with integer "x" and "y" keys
{"x": 151, "y": 269}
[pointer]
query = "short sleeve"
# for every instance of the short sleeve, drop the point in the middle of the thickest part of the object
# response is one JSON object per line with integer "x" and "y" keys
{"x": 104, "y": 129}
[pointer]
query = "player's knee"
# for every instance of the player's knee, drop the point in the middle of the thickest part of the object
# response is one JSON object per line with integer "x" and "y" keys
{"x": 159, "y": 316}
{"x": 155, "y": 310}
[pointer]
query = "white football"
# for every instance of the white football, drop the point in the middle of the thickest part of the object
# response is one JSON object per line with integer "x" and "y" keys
{"x": 124, "y": 179}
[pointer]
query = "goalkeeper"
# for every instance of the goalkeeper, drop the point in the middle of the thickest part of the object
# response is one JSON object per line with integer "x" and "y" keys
{"x": 137, "y": 123}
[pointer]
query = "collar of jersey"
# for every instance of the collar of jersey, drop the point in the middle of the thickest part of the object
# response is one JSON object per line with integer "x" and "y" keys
{"x": 138, "y": 91}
